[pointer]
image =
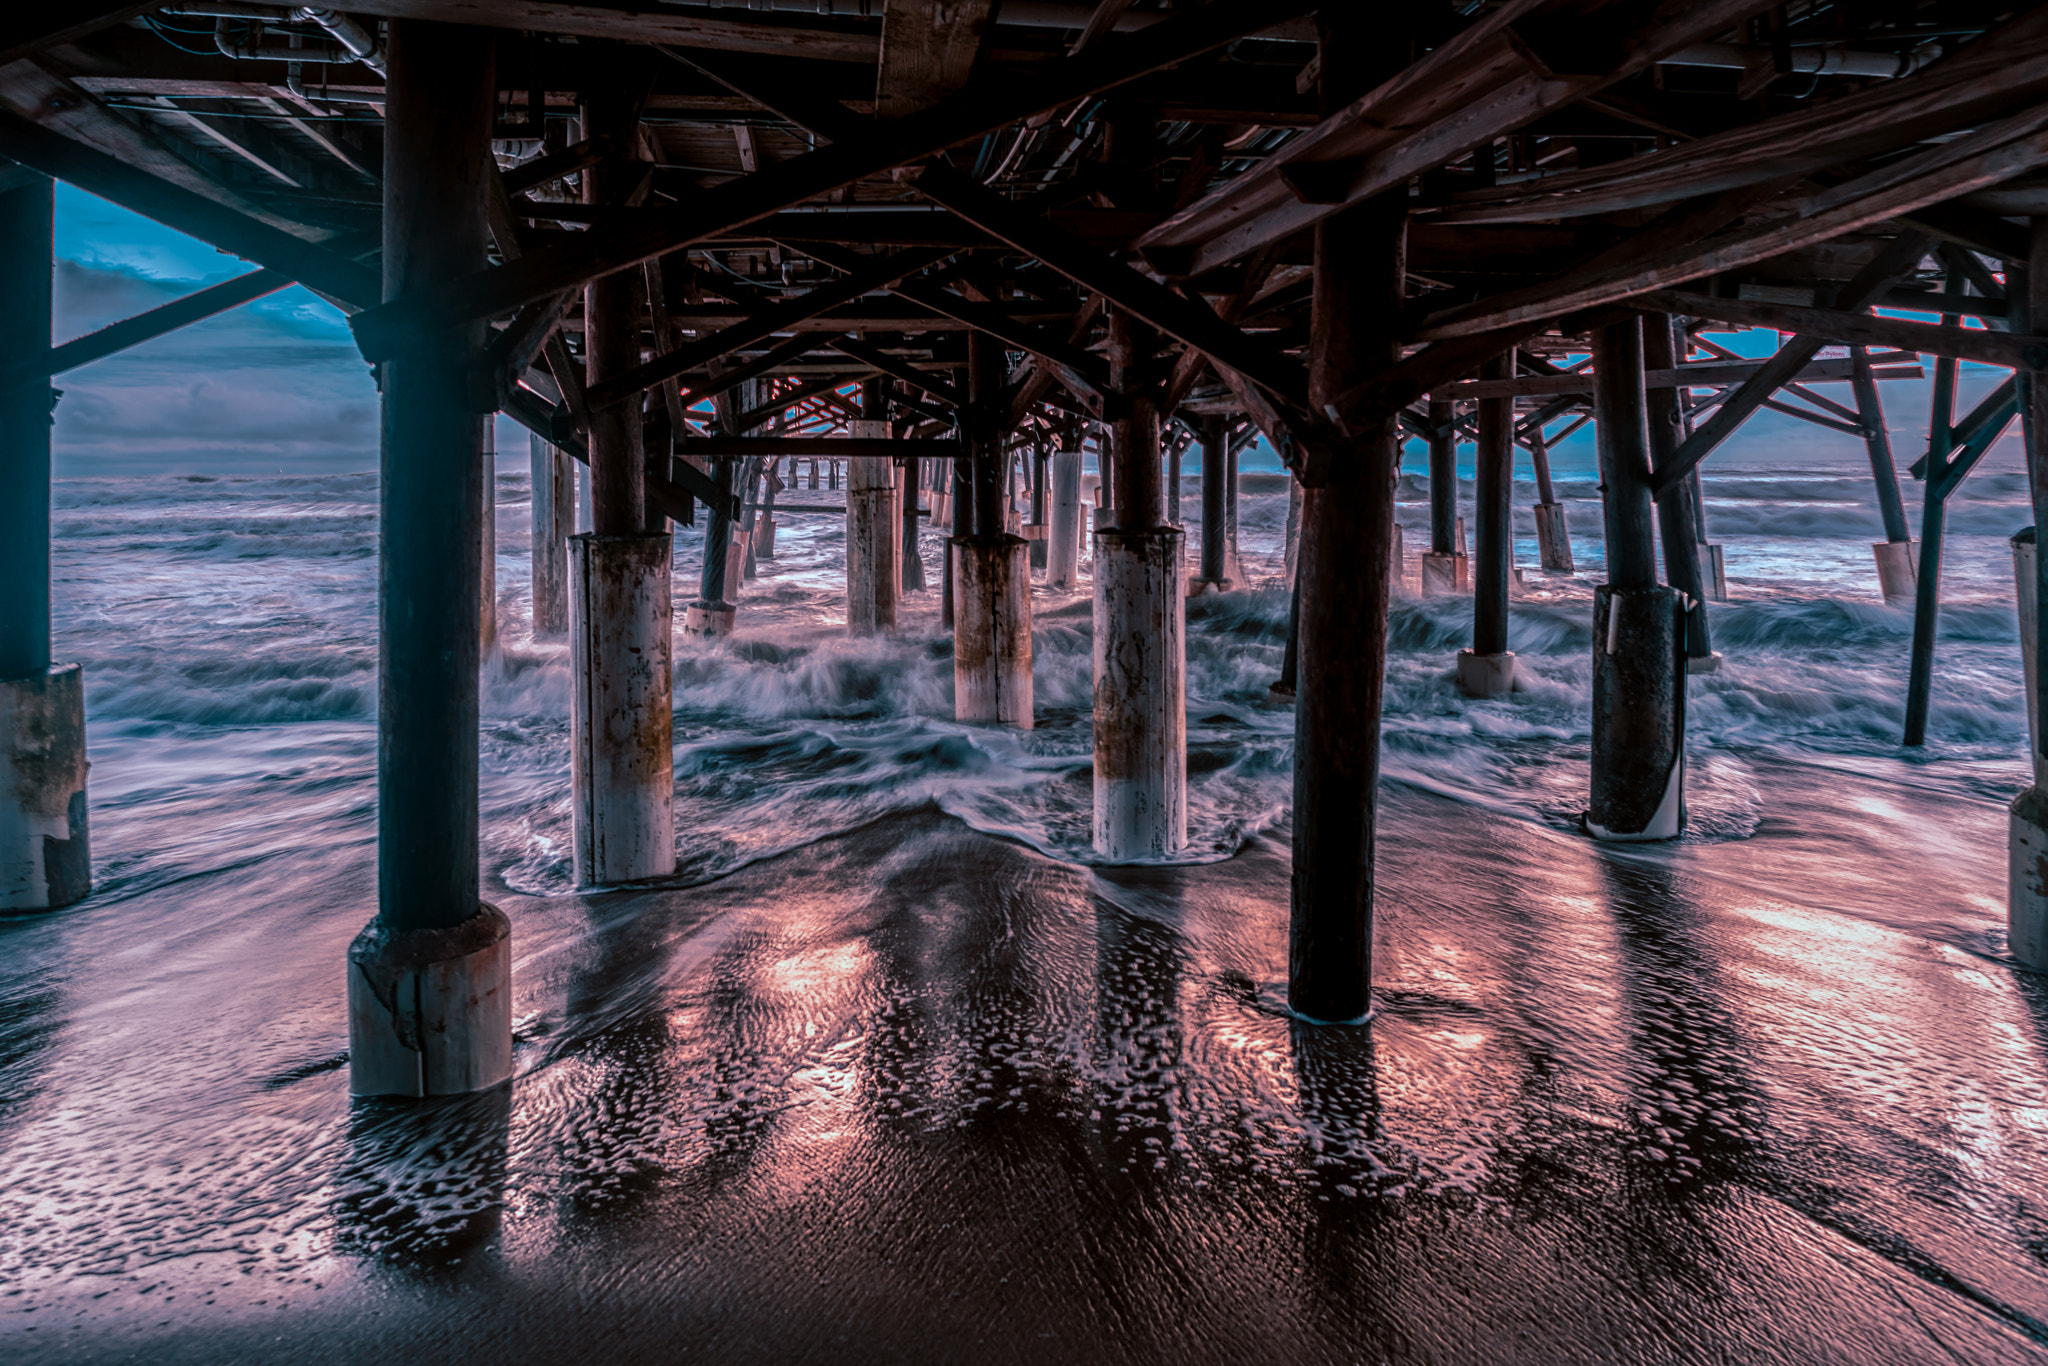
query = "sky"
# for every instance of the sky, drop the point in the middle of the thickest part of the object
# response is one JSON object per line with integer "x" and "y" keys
{"x": 277, "y": 385}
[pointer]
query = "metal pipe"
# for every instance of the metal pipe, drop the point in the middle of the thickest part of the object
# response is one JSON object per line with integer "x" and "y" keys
{"x": 1828, "y": 60}
{"x": 360, "y": 42}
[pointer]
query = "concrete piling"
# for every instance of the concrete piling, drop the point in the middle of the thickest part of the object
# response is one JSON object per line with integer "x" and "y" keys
{"x": 1553, "y": 535}
{"x": 1487, "y": 670}
{"x": 2027, "y": 816}
{"x": 429, "y": 981}
{"x": 992, "y": 631}
{"x": 1063, "y": 542}
{"x": 874, "y": 527}
{"x": 554, "y": 520}
{"x": 1140, "y": 695}
{"x": 621, "y": 719}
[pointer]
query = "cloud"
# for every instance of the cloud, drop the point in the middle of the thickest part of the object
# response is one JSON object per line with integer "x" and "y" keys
{"x": 272, "y": 385}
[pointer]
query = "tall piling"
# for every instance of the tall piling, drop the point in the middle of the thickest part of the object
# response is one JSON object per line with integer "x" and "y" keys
{"x": 1638, "y": 764}
{"x": 554, "y": 520}
{"x": 1443, "y": 564}
{"x": 620, "y": 622}
{"x": 992, "y": 575}
{"x": 1139, "y": 632}
{"x": 1344, "y": 571}
{"x": 2027, "y": 849}
{"x": 45, "y": 858}
{"x": 1553, "y": 533}
{"x": 487, "y": 571}
{"x": 1896, "y": 555}
{"x": 1063, "y": 543}
{"x": 1686, "y": 567}
{"x": 1488, "y": 668}
{"x": 912, "y": 558}
{"x": 429, "y": 980}
{"x": 1215, "y": 568}
{"x": 874, "y": 531}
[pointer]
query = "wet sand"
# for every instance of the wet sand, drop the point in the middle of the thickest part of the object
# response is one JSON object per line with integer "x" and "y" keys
{"x": 913, "y": 1093}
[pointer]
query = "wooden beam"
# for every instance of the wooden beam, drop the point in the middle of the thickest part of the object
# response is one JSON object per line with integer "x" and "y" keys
{"x": 872, "y": 274}
{"x": 65, "y": 159}
{"x": 837, "y": 447}
{"x": 204, "y": 303}
{"x": 981, "y": 108}
{"x": 1187, "y": 320}
{"x": 897, "y": 368}
{"x": 840, "y": 42}
{"x": 928, "y": 52}
{"x": 1891, "y": 365}
{"x": 28, "y": 29}
{"x": 1514, "y": 65}
{"x": 1860, "y": 329}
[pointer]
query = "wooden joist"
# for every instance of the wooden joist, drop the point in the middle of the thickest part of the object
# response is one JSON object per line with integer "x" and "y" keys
{"x": 203, "y": 303}
{"x": 835, "y": 447}
{"x": 928, "y": 51}
{"x": 1890, "y": 365}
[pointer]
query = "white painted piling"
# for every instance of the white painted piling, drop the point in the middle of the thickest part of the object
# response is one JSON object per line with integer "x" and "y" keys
{"x": 1713, "y": 572}
{"x": 1486, "y": 676}
{"x": 1063, "y": 549}
{"x": 621, "y": 722}
{"x": 2027, "y": 817}
{"x": 874, "y": 539}
{"x": 1898, "y": 571}
{"x": 992, "y": 631}
{"x": 1140, "y": 695}
{"x": 45, "y": 860}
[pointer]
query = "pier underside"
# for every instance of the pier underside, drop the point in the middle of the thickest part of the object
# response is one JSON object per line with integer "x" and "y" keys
{"x": 917, "y": 1094}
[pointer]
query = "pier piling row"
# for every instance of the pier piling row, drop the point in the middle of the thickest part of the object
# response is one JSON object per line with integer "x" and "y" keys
{"x": 707, "y": 255}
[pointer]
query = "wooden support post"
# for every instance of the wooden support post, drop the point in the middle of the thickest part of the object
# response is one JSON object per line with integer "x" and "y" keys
{"x": 1140, "y": 791}
{"x": 45, "y": 858}
{"x": 1215, "y": 575}
{"x": 2027, "y": 822}
{"x": 1063, "y": 544}
{"x": 874, "y": 529}
{"x": 1488, "y": 668}
{"x": 1638, "y": 761}
{"x": 1678, "y": 515}
{"x": 487, "y": 574}
{"x": 1344, "y": 570}
{"x": 1897, "y": 564}
{"x": 429, "y": 982}
{"x": 1553, "y": 534}
{"x": 912, "y": 556}
{"x": 554, "y": 519}
{"x": 992, "y": 600}
{"x": 1443, "y": 570}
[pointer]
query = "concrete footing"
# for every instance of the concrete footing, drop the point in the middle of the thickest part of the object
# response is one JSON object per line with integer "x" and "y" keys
{"x": 45, "y": 858}
{"x": 2027, "y": 817}
{"x": 1485, "y": 676}
{"x": 1553, "y": 539}
{"x": 1898, "y": 571}
{"x": 709, "y": 619}
{"x": 621, "y": 721}
{"x": 430, "y": 1010}
{"x": 992, "y": 631}
{"x": 1444, "y": 574}
{"x": 1141, "y": 749}
{"x": 764, "y": 537}
{"x": 1713, "y": 572}
{"x": 1638, "y": 715}
{"x": 1034, "y": 534}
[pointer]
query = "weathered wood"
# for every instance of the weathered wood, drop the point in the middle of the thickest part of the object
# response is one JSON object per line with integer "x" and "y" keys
{"x": 982, "y": 108}
{"x": 1888, "y": 365}
{"x": 821, "y": 447}
{"x": 1678, "y": 517}
{"x": 898, "y": 368}
{"x": 1939, "y": 339}
{"x": 928, "y": 51}
{"x": 203, "y": 303}
{"x": 27, "y": 218}
{"x": 318, "y": 268}
{"x": 1493, "y": 532}
{"x": 825, "y": 41}
{"x": 1622, "y": 424}
{"x": 1137, "y": 495}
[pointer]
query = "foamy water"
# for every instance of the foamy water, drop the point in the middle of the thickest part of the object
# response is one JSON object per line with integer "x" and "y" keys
{"x": 228, "y": 632}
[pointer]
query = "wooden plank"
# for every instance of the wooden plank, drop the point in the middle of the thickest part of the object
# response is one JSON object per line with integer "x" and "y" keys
{"x": 928, "y": 52}
{"x": 846, "y": 42}
{"x": 314, "y": 266}
{"x": 837, "y": 447}
{"x": 981, "y": 108}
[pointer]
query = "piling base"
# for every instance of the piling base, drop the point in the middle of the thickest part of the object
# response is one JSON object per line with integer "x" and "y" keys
{"x": 1486, "y": 676}
{"x": 1034, "y": 534}
{"x": 1443, "y": 574}
{"x": 1703, "y": 664}
{"x": 1638, "y": 715}
{"x": 1141, "y": 783}
{"x": 621, "y": 722}
{"x": 1553, "y": 539}
{"x": 45, "y": 861}
{"x": 1898, "y": 570}
{"x": 764, "y": 538}
{"x": 430, "y": 1011}
{"x": 992, "y": 631}
{"x": 2027, "y": 880}
{"x": 709, "y": 619}
{"x": 1713, "y": 573}
{"x": 1195, "y": 588}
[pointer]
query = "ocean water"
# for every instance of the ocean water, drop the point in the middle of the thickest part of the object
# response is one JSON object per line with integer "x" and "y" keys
{"x": 227, "y": 627}
{"x": 893, "y": 1070}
